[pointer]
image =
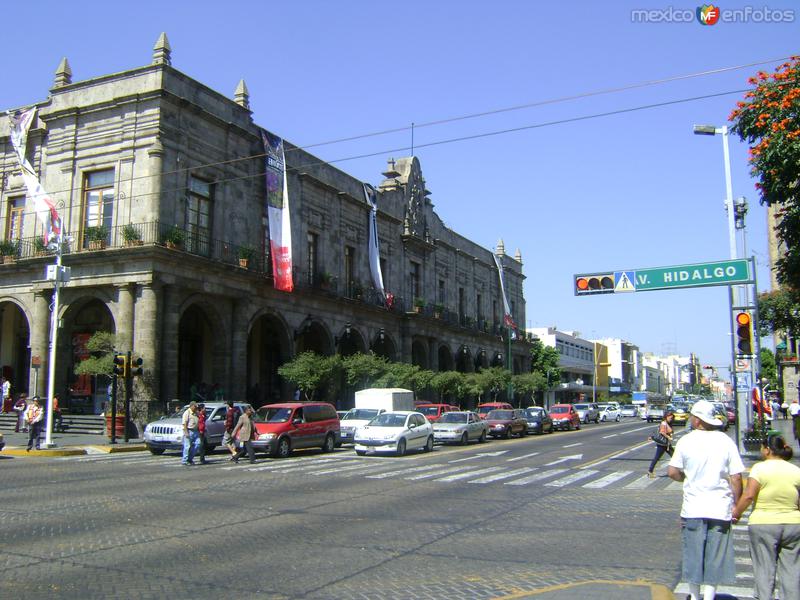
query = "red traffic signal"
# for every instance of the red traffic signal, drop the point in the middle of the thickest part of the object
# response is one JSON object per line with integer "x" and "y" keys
{"x": 602, "y": 283}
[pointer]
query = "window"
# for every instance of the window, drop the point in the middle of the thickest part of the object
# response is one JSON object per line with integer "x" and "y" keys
{"x": 479, "y": 306}
{"x": 415, "y": 279}
{"x": 384, "y": 274}
{"x": 440, "y": 298}
{"x": 198, "y": 217}
{"x": 16, "y": 211}
{"x": 98, "y": 202}
{"x": 461, "y": 307}
{"x": 311, "y": 257}
{"x": 349, "y": 270}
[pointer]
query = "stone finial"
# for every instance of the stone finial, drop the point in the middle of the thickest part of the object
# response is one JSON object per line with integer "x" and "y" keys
{"x": 501, "y": 248}
{"x": 391, "y": 169}
{"x": 63, "y": 73}
{"x": 242, "y": 95}
{"x": 518, "y": 256}
{"x": 162, "y": 53}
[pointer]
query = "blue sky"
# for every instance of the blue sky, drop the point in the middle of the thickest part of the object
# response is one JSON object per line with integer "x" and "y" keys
{"x": 636, "y": 189}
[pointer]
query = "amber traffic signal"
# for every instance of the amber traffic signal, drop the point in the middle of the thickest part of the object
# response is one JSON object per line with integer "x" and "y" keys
{"x": 600, "y": 283}
{"x": 744, "y": 333}
{"x": 121, "y": 365}
{"x": 136, "y": 367}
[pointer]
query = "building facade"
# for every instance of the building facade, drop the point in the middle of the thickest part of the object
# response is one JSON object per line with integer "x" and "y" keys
{"x": 159, "y": 181}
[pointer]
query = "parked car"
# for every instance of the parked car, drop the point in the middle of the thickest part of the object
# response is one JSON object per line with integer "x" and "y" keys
{"x": 341, "y": 414}
{"x": 395, "y": 432}
{"x": 565, "y": 417}
{"x": 461, "y": 427}
{"x": 505, "y": 422}
{"x": 629, "y": 410}
{"x": 654, "y": 412}
{"x": 609, "y": 412}
{"x": 725, "y": 415}
{"x": 487, "y": 407}
{"x": 167, "y": 432}
{"x": 539, "y": 420}
{"x": 355, "y": 418}
{"x": 588, "y": 412}
{"x": 680, "y": 413}
{"x": 282, "y": 428}
{"x": 433, "y": 412}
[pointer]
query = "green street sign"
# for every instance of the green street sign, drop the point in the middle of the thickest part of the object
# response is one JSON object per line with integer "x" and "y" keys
{"x": 721, "y": 272}
{"x": 724, "y": 272}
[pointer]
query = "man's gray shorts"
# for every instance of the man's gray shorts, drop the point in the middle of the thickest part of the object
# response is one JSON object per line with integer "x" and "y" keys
{"x": 227, "y": 439}
{"x": 707, "y": 552}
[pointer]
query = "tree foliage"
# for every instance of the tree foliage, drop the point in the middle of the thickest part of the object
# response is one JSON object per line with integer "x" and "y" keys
{"x": 101, "y": 362}
{"x": 364, "y": 369}
{"x": 779, "y": 311}
{"x": 769, "y": 121}
{"x": 769, "y": 368}
{"x": 310, "y": 372}
{"x": 545, "y": 359}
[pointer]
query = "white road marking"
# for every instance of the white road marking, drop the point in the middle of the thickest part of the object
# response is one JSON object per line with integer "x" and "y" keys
{"x": 505, "y": 475}
{"x": 402, "y": 471}
{"x": 468, "y": 474}
{"x": 536, "y": 477}
{"x": 498, "y": 453}
{"x": 607, "y": 480}
{"x": 434, "y": 473}
{"x": 639, "y": 484}
{"x": 572, "y": 478}
{"x": 522, "y": 457}
{"x": 573, "y": 445}
{"x": 565, "y": 459}
{"x": 605, "y": 437}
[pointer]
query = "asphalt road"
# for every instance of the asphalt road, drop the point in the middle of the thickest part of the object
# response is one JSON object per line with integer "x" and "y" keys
{"x": 483, "y": 521}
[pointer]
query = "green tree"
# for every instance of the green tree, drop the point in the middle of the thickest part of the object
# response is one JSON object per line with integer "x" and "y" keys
{"x": 494, "y": 380}
{"x": 779, "y": 312}
{"x": 362, "y": 370}
{"x": 769, "y": 121}
{"x": 399, "y": 375}
{"x": 769, "y": 368}
{"x": 101, "y": 362}
{"x": 527, "y": 384}
{"x": 311, "y": 372}
{"x": 544, "y": 360}
{"x": 448, "y": 383}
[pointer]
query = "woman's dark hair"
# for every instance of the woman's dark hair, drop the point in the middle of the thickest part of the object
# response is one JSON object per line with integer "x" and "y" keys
{"x": 778, "y": 446}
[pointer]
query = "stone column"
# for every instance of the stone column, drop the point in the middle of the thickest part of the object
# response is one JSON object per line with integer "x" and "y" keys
{"x": 237, "y": 386}
{"x": 168, "y": 362}
{"x": 433, "y": 355}
{"x": 40, "y": 341}
{"x": 126, "y": 296}
{"x": 144, "y": 345}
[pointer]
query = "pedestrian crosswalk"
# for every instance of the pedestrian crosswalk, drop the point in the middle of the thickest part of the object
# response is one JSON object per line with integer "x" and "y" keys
{"x": 505, "y": 472}
{"x": 743, "y": 588}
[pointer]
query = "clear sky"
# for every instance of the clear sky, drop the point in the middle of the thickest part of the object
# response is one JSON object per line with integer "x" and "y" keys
{"x": 634, "y": 189}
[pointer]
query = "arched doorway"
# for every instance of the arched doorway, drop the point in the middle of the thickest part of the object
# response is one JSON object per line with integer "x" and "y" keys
{"x": 350, "y": 341}
{"x": 419, "y": 354}
{"x": 481, "y": 361}
{"x": 15, "y": 351}
{"x": 463, "y": 359}
{"x": 267, "y": 349}
{"x": 201, "y": 352}
{"x": 313, "y": 337}
{"x": 87, "y": 394}
{"x": 445, "y": 358}
{"x": 384, "y": 346}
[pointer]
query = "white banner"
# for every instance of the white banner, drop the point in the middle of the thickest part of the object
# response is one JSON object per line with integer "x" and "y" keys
{"x": 374, "y": 242}
{"x": 43, "y": 204}
{"x": 280, "y": 226}
{"x": 508, "y": 321}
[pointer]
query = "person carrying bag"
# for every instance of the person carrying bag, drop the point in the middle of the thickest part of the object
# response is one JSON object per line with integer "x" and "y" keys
{"x": 663, "y": 441}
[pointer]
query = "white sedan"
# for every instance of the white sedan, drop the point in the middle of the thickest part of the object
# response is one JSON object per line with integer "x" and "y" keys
{"x": 610, "y": 412}
{"x": 460, "y": 427}
{"x": 395, "y": 432}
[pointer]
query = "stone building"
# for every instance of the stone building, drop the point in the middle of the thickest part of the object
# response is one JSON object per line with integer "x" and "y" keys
{"x": 148, "y": 156}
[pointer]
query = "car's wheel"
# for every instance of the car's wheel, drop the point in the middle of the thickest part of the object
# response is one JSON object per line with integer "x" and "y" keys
{"x": 482, "y": 439}
{"x": 329, "y": 444}
{"x": 507, "y": 434}
{"x": 578, "y": 426}
{"x": 156, "y": 451}
{"x": 283, "y": 448}
{"x": 401, "y": 447}
{"x": 597, "y": 419}
{"x": 361, "y": 452}
{"x": 429, "y": 444}
{"x": 464, "y": 439}
{"x": 618, "y": 418}
{"x": 570, "y": 426}
{"x": 586, "y": 419}
{"x": 524, "y": 432}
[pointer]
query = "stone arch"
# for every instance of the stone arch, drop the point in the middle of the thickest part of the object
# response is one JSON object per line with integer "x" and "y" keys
{"x": 313, "y": 336}
{"x": 350, "y": 341}
{"x": 202, "y": 348}
{"x": 419, "y": 354}
{"x": 82, "y": 318}
{"x": 15, "y": 341}
{"x": 481, "y": 359}
{"x": 383, "y": 345}
{"x": 268, "y": 347}
{"x": 498, "y": 360}
{"x": 463, "y": 359}
{"x": 445, "y": 358}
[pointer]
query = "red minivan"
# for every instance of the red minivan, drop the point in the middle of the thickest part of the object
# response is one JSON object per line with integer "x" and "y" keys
{"x": 433, "y": 412}
{"x": 485, "y": 409}
{"x": 281, "y": 428}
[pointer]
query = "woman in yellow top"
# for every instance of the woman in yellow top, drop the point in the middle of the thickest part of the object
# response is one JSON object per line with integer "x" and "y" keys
{"x": 774, "y": 524}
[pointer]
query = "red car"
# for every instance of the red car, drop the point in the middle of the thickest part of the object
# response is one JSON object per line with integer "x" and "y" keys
{"x": 484, "y": 409}
{"x": 281, "y": 428}
{"x": 507, "y": 422}
{"x": 565, "y": 417}
{"x": 433, "y": 412}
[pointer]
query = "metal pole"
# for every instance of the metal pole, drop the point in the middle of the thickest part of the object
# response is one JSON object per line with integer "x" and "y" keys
{"x": 128, "y": 393}
{"x": 510, "y": 362}
{"x": 114, "y": 409}
{"x": 51, "y": 367}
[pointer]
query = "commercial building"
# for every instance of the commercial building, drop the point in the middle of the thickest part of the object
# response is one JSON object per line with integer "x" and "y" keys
{"x": 160, "y": 183}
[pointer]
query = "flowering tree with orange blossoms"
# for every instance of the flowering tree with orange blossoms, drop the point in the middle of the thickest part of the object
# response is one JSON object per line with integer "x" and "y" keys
{"x": 769, "y": 121}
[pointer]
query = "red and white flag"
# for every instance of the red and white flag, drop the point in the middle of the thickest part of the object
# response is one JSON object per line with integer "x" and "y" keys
{"x": 280, "y": 227}
{"x": 508, "y": 321}
{"x": 43, "y": 204}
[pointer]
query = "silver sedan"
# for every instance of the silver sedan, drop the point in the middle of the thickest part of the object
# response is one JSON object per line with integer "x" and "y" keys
{"x": 460, "y": 427}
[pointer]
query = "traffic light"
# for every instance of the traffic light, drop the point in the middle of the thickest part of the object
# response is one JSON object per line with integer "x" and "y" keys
{"x": 121, "y": 365}
{"x": 602, "y": 283}
{"x": 136, "y": 367}
{"x": 744, "y": 333}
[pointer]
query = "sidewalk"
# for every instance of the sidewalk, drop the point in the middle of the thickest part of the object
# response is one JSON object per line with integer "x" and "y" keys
{"x": 597, "y": 590}
{"x": 68, "y": 444}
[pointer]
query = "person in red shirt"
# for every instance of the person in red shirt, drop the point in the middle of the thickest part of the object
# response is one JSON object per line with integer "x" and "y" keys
{"x": 201, "y": 430}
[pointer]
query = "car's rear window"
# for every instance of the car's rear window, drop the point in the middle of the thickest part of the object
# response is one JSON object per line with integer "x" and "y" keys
{"x": 361, "y": 414}
{"x": 559, "y": 409}
{"x": 500, "y": 414}
{"x": 266, "y": 414}
{"x": 452, "y": 417}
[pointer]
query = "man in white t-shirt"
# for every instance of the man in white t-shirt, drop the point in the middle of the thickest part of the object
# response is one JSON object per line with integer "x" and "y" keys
{"x": 708, "y": 463}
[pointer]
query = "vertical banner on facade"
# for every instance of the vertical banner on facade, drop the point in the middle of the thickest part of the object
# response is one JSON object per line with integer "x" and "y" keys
{"x": 43, "y": 204}
{"x": 280, "y": 227}
{"x": 374, "y": 243}
{"x": 508, "y": 321}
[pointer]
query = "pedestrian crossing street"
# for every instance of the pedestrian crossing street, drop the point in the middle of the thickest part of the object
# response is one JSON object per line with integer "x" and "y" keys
{"x": 743, "y": 588}
{"x": 345, "y": 465}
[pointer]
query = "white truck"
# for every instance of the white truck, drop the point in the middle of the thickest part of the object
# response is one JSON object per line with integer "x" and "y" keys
{"x": 369, "y": 404}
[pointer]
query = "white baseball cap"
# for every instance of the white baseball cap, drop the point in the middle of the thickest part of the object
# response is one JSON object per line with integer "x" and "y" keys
{"x": 704, "y": 410}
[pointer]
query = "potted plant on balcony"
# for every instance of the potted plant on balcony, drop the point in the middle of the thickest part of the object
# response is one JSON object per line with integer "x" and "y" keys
{"x": 39, "y": 247}
{"x": 174, "y": 237}
{"x": 356, "y": 290}
{"x": 96, "y": 236}
{"x": 131, "y": 235}
{"x": 9, "y": 249}
{"x": 419, "y": 304}
{"x": 245, "y": 254}
{"x": 325, "y": 279}
{"x": 438, "y": 310}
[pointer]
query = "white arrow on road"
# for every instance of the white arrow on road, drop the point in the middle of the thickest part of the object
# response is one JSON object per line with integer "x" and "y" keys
{"x": 498, "y": 453}
{"x": 565, "y": 459}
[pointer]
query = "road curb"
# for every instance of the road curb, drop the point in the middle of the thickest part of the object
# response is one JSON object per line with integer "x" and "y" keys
{"x": 568, "y": 590}
{"x": 116, "y": 449}
{"x": 43, "y": 453}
